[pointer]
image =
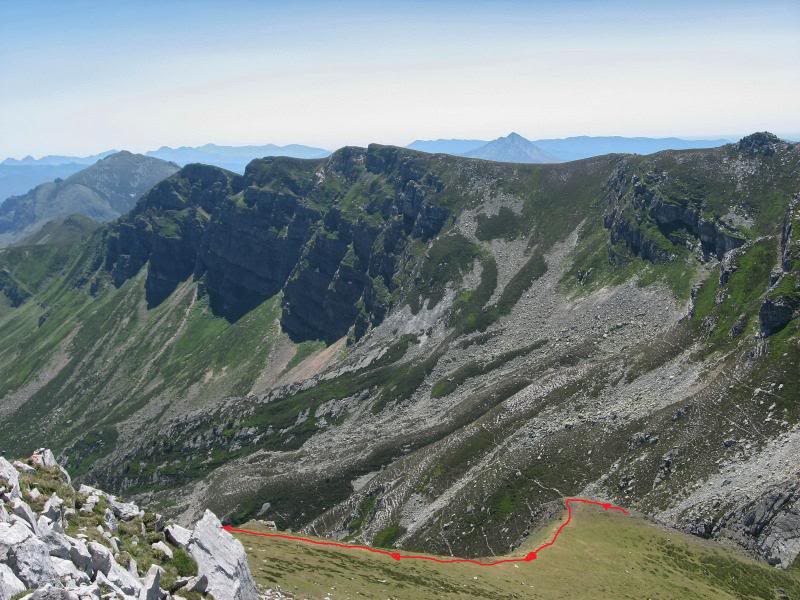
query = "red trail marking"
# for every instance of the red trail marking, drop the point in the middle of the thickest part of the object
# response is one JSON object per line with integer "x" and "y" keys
{"x": 397, "y": 556}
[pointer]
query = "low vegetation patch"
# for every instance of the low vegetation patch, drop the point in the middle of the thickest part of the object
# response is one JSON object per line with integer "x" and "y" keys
{"x": 450, "y": 382}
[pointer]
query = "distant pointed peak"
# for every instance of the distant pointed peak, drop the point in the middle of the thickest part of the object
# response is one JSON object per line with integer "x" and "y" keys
{"x": 515, "y": 136}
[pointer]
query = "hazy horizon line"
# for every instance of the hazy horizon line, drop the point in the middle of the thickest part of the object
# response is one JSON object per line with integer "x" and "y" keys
{"x": 711, "y": 137}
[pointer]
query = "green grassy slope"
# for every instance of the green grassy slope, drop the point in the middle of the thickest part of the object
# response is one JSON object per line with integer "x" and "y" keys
{"x": 600, "y": 555}
{"x": 110, "y": 357}
{"x": 180, "y": 305}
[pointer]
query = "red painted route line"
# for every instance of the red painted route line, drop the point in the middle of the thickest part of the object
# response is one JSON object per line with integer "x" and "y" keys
{"x": 533, "y": 555}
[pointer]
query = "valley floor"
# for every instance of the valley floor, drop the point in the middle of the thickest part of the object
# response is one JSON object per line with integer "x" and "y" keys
{"x": 601, "y": 555}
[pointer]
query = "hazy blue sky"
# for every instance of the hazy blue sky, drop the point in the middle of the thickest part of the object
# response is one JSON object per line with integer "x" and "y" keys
{"x": 79, "y": 77}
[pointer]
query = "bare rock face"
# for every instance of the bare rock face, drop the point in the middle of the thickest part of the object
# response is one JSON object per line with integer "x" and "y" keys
{"x": 180, "y": 536}
{"x": 775, "y": 314}
{"x": 54, "y": 593}
{"x": 782, "y": 303}
{"x": 9, "y": 476}
{"x": 151, "y": 589}
{"x": 9, "y": 583}
{"x": 27, "y": 555}
{"x": 222, "y": 559}
{"x": 44, "y": 457}
{"x": 24, "y": 512}
{"x": 768, "y": 526}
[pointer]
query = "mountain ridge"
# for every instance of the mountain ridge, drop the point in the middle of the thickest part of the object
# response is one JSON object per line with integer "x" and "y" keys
{"x": 644, "y": 279}
{"x": 102, "y": 191}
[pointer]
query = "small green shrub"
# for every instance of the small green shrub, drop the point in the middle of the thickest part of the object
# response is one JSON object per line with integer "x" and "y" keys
{"x": 505, "y": 224}
{"x": 387, "y": 536}
{"x": 184, "y": 564}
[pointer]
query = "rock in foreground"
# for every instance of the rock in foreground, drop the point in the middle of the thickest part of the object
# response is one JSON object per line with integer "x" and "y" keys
{"x": 61, "y": 544}
{"x": 222, "y": 559}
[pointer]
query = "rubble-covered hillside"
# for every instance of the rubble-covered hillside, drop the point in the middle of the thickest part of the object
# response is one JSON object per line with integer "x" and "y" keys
{"x": 60, "y": 543}
{"x": 427, "y": 351}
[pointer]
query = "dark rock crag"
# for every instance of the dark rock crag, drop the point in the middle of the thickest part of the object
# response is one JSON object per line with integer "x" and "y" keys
{"x": 782, "y": 303}
{"x": 326, "y": 233}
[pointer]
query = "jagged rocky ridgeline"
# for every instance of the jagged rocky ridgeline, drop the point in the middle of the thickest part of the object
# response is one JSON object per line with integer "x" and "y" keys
{"x": 60, "y": 543}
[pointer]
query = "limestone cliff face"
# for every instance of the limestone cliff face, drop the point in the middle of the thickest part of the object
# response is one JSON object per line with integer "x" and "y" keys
{"x": 643, "y": 215}
{"x": 782, "y": 303}
{"x": 326, "y": 233}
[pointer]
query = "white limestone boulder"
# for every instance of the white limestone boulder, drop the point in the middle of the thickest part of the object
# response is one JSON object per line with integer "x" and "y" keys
{"x": 80, "y": 556}
{"x": 10, "y": 585}
{"x": 177, "y": 535}
{"x": 125, "y": 511}
{"x": 20, "y": 508}
{"x": 53, "y": 507}
{"x": 27, "y": 555}
{"x": 103, "y": 562}
{"x": 9, "y": 476}
{"x": 68, "y": 572}
{"x": 222, "y": 559}
{"x": 151, "y": 589}
{"x": 163, "y": 549}
{"x": 43, "y": 457}
{"x": 23, "y": 467}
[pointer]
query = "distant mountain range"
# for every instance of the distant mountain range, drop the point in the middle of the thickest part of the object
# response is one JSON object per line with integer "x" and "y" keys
{"x": 17, "y": 176}
{"x": 455, "y": 147}
{"x": 515, "y": 148}
{"x": 512, "y": 148}
{"x": 56, "y": 159}
{"x": 233, "y": 158}
{"x": 103, "y": 191}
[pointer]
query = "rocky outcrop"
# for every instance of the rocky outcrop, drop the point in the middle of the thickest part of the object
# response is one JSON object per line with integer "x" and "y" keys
{"x": 10, "y": 584}
{"x": 644, "y": 214}
{"x": 762, "y": 142}
{"x": 222, "y": 560}
{"x": 782, "y": 302}
{"x": 178, "y": 536}
{"x": 768, "y": 526}
{"x": 776, "y": 312}
{"x": 325, "y": 233}
{"x": 37, "y": 553}
{"x": 9, "y": 478}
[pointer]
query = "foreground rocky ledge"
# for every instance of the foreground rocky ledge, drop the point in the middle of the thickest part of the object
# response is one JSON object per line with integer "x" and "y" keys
{"x": 58, "y": 543}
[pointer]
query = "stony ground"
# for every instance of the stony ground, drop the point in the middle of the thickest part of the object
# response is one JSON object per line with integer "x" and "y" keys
{"x": 58, "y": 542}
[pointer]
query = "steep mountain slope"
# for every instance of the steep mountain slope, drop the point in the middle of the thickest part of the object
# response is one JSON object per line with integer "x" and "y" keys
{"x": 233, "y": 158}
{"x": 64, "y": 231}
{"x": 102, "y": 192}
{"x": 512, "y": 148}
{"x": 497, "y": 336}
